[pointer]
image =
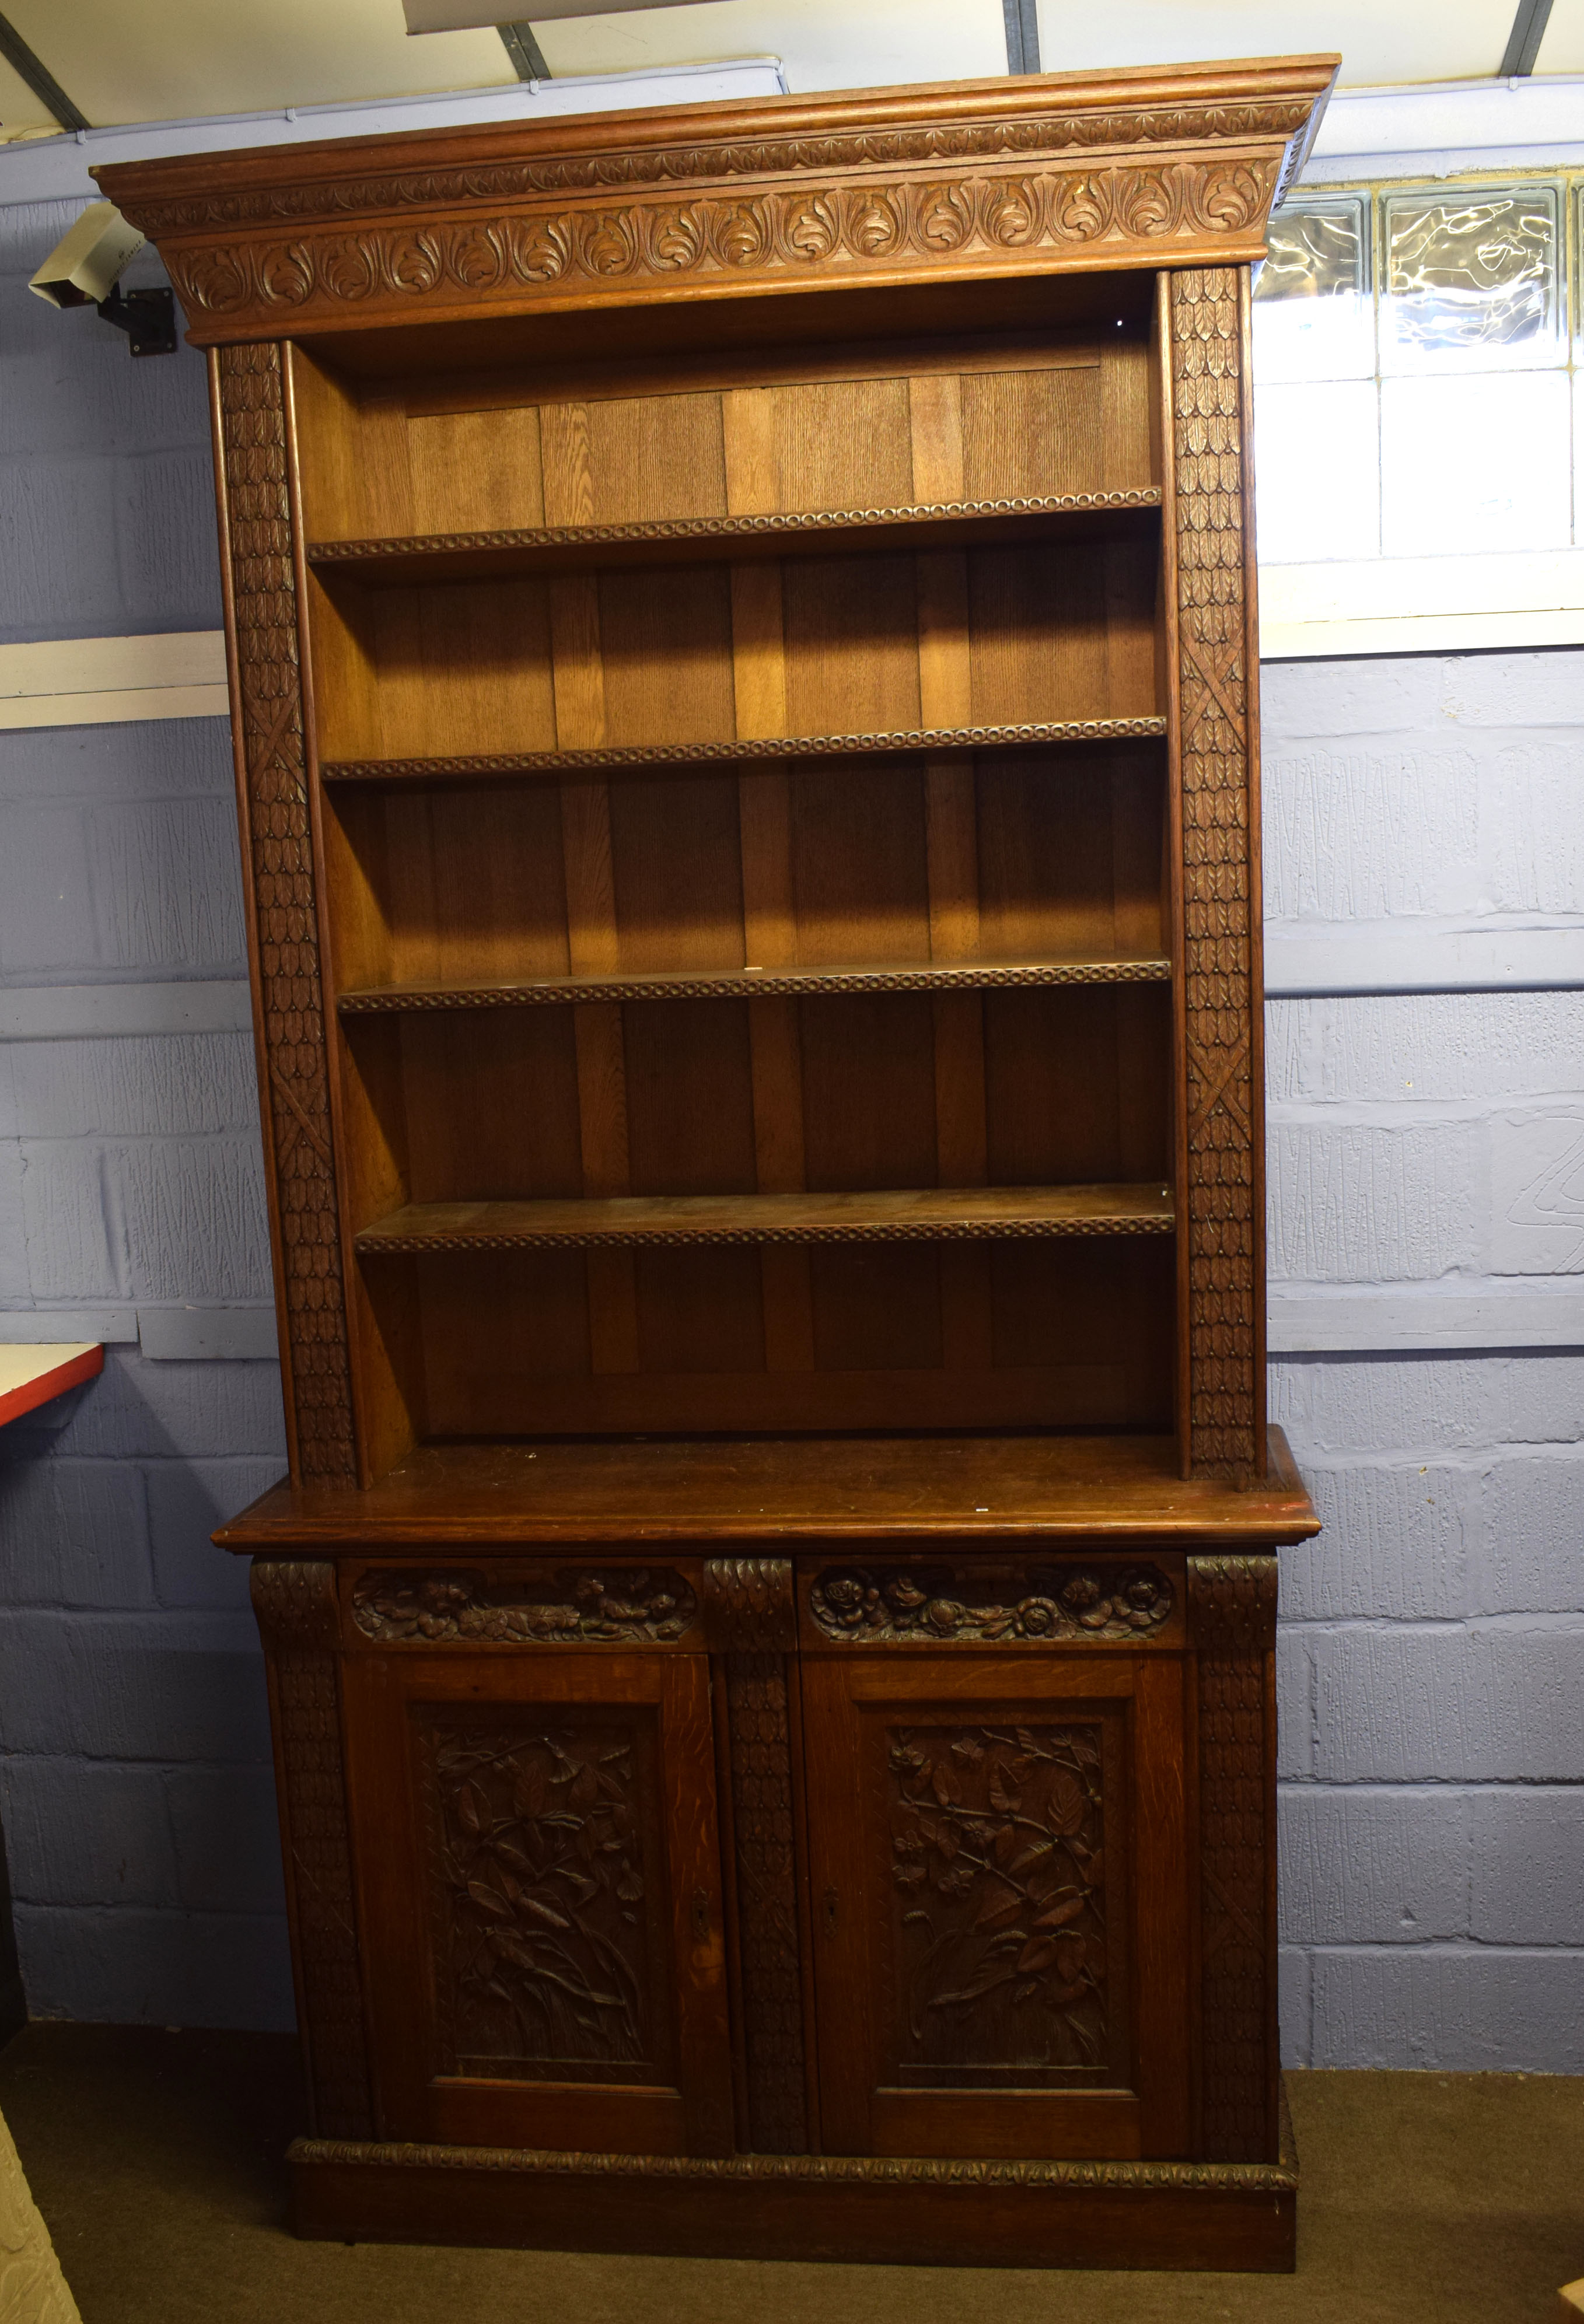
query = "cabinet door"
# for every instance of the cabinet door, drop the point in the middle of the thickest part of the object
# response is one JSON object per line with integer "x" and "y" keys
{"x": 999, "y": 1875}
{"x": 540, "y": 1877}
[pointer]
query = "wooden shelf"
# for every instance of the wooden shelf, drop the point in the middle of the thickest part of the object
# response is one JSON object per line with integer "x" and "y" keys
{"x": 750, "y": 984}
{"x": 918, "y": 741}
{"x": 433, "y": 557}
{"x": 928, "y": 1214}
{"x": 1032, "y": 1485}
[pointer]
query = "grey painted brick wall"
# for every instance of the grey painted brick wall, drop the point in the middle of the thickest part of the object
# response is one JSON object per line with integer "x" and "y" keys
{"x": 135, "y": 1779}
{"x": 1431, "y": 1668}
{"x": 1432, "y": 1639}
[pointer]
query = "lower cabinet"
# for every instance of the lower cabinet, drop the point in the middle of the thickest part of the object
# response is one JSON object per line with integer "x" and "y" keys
{"x": 539, "y": 1875}
{"x": 879, "y": 1906}
{"x": 941, "y": 1893}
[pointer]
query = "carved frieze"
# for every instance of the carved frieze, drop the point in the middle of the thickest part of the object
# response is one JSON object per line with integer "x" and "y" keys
{"x": 568, "y": 1607}
{"x": 1035, "y": 1605}
{"x": 753, "y": 238}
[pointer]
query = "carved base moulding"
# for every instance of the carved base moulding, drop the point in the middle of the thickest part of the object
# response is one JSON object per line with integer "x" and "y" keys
{"x": 1227, "y": 2217}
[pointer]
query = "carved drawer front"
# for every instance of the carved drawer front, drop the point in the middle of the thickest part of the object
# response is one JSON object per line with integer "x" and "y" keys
{"x": 998, "y": 1866}
{"x": 539, "y": 1872}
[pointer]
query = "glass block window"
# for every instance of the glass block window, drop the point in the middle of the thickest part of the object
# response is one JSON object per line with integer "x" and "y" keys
{"x": 1471, "y": 282}
{"x": 1416, "y": 390}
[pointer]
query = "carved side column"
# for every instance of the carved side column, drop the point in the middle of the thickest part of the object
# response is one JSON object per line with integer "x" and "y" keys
{"x": 277, "y": 840}
{"x": 1232, "y": 1608}
{"x": 295, "y": 1602}
{"x": 752, "y": 1619}
{"x": 1223, "y": 1268}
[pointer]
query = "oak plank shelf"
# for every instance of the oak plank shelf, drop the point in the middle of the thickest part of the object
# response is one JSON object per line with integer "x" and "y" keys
{"x": 629, "y": 1222}
{"x": 911, "y": 742}
{"x": 757, "y": 984}
{"x": 581, "y": 548}
{"x": 672, "y": 1590}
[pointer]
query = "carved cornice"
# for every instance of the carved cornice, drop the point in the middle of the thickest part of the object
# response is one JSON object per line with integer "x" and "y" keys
{"x": 1033, "y": 137}
{"x": 1142, "y": 170}
{"x": 567, "y": 1607}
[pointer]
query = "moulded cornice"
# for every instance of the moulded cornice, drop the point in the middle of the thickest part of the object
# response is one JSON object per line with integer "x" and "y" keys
{"x": 1085, "y": 171}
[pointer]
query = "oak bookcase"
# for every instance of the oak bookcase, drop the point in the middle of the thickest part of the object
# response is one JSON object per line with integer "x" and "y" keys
{"x": 742, "y": 656}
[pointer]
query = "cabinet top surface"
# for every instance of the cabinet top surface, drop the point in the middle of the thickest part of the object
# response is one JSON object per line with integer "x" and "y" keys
{"x": 1044, "y": 173}
{"x": 781, "y": 1489}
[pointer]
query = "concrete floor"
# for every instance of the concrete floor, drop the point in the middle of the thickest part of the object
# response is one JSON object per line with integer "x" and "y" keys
{"x": 154, "y": 2158}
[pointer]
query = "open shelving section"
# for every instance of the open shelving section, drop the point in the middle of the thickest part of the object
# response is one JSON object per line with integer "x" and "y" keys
{"x": 746, "y": 802}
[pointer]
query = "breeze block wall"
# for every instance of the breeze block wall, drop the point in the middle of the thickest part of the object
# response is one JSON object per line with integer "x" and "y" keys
{"x": 1432, "y": 1643}
{"x": 135, "y": 1781}
{"x": 1427, "y": 1143}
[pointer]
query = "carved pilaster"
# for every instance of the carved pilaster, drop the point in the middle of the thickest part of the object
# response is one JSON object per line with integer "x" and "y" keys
{"x": 1225, "y": 1103}
{"x": 295, "y": 1602}
{"x": 751, "y": 1618}
{"x": 1232, "y": 1607}
{"x": 278, "y": 840}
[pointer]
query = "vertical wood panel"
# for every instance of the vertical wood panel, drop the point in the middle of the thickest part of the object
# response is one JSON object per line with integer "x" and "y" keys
{"x": 769, "y": 905}
{"x": 935, "y": 415}
{"x": 568, "y": 478}
{"x": 946, "y": 699}
{"x": 593, "y": 950}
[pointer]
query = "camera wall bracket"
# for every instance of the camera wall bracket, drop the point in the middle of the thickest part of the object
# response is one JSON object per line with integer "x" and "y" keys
{"x": 148, "y": 317}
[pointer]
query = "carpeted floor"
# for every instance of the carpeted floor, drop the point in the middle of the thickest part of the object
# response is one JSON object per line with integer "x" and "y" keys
{"x": 1428, "y": 2199}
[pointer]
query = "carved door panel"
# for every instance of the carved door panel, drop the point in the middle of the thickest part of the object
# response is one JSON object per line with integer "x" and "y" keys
{"x": 540, "y": 1876}
{"x": 998, "y": 1861}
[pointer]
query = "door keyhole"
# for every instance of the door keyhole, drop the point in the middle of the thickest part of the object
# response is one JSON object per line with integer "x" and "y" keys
{"x": 830, "y": 1905}
{"x": 701, "y": 1915}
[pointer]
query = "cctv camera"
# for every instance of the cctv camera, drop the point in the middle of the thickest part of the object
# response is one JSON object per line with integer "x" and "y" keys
{"x": 89, "y": 259}
{"x": 83, "y": 268}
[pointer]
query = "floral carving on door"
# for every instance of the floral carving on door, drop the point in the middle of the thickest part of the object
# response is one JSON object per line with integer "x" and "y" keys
{"x": 544, "y": 1848}
{"x": 1000, "y": 1943}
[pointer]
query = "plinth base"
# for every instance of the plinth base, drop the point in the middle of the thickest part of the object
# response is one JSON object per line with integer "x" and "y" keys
{"x": 1232, "y": 2216}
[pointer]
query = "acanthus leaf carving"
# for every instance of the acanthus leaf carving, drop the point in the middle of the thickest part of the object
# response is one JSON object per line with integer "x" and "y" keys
{"x": 755, "y": 234}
